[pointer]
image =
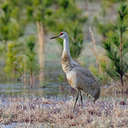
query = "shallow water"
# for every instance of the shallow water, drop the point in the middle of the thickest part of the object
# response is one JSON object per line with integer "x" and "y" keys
{"x": 51, "y": 89}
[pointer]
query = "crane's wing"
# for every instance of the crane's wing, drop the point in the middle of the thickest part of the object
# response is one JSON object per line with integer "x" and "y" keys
{"x": 74, "y": 63}
{"x": 86, "y": 81}
{"x": 85, "y": 72}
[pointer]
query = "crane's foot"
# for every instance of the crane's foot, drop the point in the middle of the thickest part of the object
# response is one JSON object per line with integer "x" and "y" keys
{"x": 76, "y": 101}
{"x": 81, "y": 99}
{"x": 94, "y": 101}
{"x": 97, "y": 95}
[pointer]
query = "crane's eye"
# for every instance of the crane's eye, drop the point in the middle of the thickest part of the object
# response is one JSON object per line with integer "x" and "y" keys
{"x": 61, "y": 33}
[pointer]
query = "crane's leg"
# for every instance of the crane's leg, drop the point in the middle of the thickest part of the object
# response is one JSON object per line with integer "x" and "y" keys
{"x": 76, "y": 100}
{"x": 81, "y": 98}
{"x": 97, "y": 95}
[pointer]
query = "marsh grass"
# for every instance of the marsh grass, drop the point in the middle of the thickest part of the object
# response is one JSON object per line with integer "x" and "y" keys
{"x": 105, "y": 113}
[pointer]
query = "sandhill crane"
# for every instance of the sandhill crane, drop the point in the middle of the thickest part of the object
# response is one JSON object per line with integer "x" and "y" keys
{"x": 78, "y": 77}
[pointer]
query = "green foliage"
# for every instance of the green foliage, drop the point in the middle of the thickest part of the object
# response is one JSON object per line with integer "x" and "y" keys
{"x": 76, "y": 40}
{"x": 61, "y": 78}
{"x": 21, "y": 58}
{"x": 37, "y": 10}
{"x": 68, "y": 17}
{"x": 14, "y": 59}
{"x": 109, "y": 4}
{"x": 103, "y": 28}
{"x": 56, "y": 16}
{"x": 116, "y": 45}
{"x": 103, "y": 77}
{"x": 12, "y": 26}
{"x": 31, "y": 65}
{"x": 10, "y": 22}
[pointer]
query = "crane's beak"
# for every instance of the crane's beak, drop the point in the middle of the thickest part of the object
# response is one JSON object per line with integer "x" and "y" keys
{"x": 55, "y": 37}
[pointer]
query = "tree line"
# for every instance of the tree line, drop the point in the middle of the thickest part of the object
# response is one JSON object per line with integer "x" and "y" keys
{"x": 22, "y": 45}
{"x": 19, "y": 45}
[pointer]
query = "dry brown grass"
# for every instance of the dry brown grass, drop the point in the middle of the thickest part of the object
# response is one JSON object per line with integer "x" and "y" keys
{"x": 115, "y": 88}
{"x": 58, "y": 113}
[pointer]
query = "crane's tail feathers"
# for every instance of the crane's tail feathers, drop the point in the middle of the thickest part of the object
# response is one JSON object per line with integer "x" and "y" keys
{"x": 97, "y": 95}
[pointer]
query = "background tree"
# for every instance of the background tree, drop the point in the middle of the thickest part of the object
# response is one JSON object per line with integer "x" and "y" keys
{"x": 42, "y": 14}
{"x": 37, "y": 11}
{"x": 31, "y": 65}
{"x": 101, "y": 23}
{"x": 11, "y": 29}
{"x": 68, "y": 17}
{"x": 14, "y": 60}
{"x": 11, "y": 25}
{"x": 56, "y": 16}
{"x": 116, "y": 46}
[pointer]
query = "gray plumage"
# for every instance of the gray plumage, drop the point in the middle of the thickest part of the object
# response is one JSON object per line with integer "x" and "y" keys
{"x": 78, "y": 77}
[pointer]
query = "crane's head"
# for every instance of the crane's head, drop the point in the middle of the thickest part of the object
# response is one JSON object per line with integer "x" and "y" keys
{"x": 62, "y": 35}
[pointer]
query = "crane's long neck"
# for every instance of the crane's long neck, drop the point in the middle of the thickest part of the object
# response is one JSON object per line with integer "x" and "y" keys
{"x": 66, "y": 48}
{"x": 66, "y": 57}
